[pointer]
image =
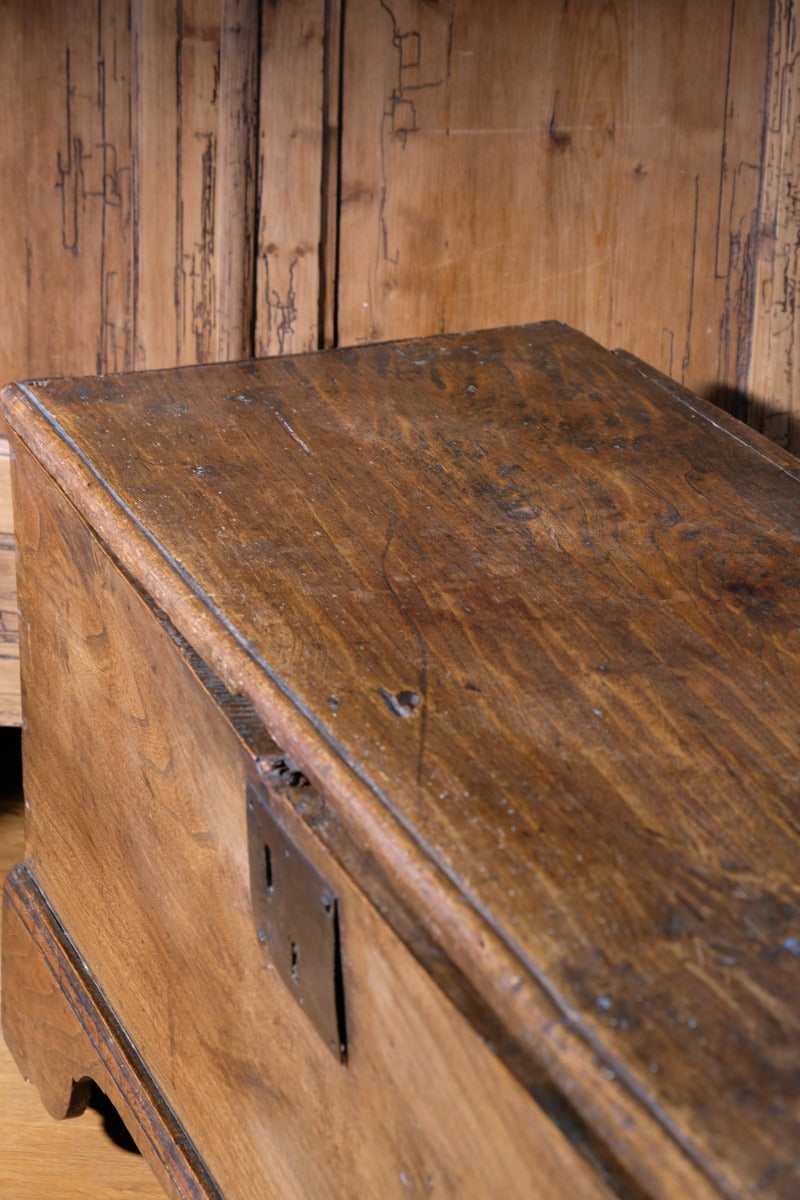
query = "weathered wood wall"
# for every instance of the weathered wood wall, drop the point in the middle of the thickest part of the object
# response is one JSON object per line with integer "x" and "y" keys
{"x": 129, "y": 184}
{"x": 597, "y": 163}
{"x": 191, "y": 180}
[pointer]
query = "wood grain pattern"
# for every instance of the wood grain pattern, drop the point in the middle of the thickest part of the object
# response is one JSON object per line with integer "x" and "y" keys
{"x": 595, "y": 163}
{"x": 331, "y": 148}
{"x": 129, "y": 184}
{"x": 530, "y": 627}
{"x": 71, "y": 190}
{"x": 236, "y": 174}
{"x": 627, "y": 167}
{"x": 194, "y": 141}
{"x": 292, "y": 137}
{"x": 14, "y": 236}
{"x": 638, "y": 183}
{"x": 164, "y": 916}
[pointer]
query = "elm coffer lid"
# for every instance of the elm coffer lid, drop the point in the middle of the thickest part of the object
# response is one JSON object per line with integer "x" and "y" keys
{"x": 529, "y": 616}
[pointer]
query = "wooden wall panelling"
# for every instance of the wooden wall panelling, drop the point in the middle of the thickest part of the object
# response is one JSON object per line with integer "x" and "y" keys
{"x": 773, "y": 367}
{"x": 596, "y": 163}
{"x": 173, "y": 258}
{"x": 69, "y": 179}
{"x": 235, "y": 232}
{"x": 130, "y": 194}
{"x": 696, "y": 110}
{"x": 194, "y": 109}
{"x": 13, "y": 232}
{"x": 293, "y": 211}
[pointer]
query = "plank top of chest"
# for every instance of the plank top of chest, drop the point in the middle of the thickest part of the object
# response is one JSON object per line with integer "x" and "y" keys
{"x": 529, "y": 618}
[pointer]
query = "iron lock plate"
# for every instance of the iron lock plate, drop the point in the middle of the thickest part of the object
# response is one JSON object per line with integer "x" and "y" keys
{"x": 297, "y": 922}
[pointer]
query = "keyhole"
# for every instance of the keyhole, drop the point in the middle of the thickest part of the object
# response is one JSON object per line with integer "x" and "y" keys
{"x": 295, "y": 975}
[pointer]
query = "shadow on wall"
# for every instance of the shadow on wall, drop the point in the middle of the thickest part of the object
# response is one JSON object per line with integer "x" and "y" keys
{"x": 739, "y": 404}
{"x": 783, "y": 428}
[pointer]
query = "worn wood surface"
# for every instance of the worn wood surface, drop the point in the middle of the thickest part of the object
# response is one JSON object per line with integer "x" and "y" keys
{"x": 528, "y": 620}
{"x": 40, "y": 1159}
{"x": 194, "y": 145}
{"x": 163, "y": 916}
{"x": 292, "y": 136}
{"x": 69, "y": 190}
{"x": 128, "y": 187}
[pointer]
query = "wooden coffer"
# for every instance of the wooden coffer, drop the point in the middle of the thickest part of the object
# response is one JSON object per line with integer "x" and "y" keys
{"x": 411, "y": 759}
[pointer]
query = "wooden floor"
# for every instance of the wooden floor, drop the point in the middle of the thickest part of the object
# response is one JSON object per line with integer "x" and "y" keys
{"x": 42, "y": 1159}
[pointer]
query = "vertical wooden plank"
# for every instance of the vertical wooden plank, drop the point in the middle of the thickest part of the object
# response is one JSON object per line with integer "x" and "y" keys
{"x": 235, "y": 231}
{"x": 195, "y": 76}
{"x": 71, "y": 189}
{"x": 159, "y": 334}
{"x": 682, "y": 282}
{"x": 774, "y": 366}
{"x": 290, "y": 227}
{"x": 176, "y": 153}
{"x": 738, "y": 219}
{"x": 127, "y": 183}
{"x": 331, "y": 134}
{"x": 595, "y": 163}
{"x": 15, "y": 242}
{"x": 194, "y": 133}
{"x": 399, "y": 229}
